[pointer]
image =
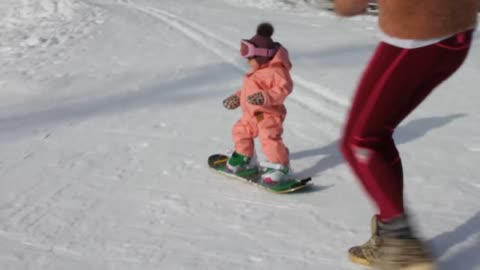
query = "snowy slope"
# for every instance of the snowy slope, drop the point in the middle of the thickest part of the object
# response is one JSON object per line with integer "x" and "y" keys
{"x": 34, "y": 36}
{"x": 105, "y": 132}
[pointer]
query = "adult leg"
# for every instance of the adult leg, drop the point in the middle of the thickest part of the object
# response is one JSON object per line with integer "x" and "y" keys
{"x": 396, "y": 81}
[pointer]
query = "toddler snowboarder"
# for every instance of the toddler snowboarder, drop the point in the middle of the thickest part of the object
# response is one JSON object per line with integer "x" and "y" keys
{"x": 261, "y": 98}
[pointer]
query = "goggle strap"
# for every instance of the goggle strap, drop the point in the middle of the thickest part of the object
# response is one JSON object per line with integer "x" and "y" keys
{"x": 265, "y": 52}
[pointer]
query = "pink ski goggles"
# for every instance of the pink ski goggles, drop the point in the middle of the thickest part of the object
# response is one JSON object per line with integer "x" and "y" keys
{"x": 248, "y": 50}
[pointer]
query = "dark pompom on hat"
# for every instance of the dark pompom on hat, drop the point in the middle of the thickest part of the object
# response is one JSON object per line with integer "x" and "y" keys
{"x": 265, "y": 30}
{"x": 263, "y": 38}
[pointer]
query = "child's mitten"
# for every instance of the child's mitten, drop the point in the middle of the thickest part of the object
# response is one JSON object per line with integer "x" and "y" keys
{"x": 256, "y": 99}
{"x": 232, "y": 102}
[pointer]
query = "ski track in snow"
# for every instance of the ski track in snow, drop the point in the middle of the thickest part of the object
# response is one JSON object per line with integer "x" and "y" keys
{"x": 309, "y": 95}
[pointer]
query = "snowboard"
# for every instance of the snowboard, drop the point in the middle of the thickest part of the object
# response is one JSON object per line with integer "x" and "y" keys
{"x": 217, "y": 162}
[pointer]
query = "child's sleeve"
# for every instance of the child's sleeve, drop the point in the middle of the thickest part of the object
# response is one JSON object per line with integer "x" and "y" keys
{"x": 282, "y": 86}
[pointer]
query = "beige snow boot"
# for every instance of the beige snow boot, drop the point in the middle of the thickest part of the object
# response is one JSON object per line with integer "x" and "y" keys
{"x": 366, "y": 254}
{"x": 392, "y": 246}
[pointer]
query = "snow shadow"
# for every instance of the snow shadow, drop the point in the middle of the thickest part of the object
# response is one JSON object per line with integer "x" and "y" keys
{"x": 331, "y": 156}
{"x": 418, "y": 128}
{"x": 465, "y": 257}
{"x": 193, "y": 86}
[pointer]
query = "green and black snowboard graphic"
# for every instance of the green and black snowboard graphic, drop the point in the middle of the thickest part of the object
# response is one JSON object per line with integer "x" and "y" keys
{"x": 217, "y": 162}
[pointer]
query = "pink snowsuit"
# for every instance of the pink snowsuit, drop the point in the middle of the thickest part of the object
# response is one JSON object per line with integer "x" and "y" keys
{"x": 266, "y": 121}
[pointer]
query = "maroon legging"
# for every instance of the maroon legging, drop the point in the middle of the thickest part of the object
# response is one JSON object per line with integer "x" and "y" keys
{"x": 395, "y": 82}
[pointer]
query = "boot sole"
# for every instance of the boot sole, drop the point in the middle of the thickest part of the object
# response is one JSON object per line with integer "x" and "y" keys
{"x": 358, "y": 260}
{"x": 419, "y": 266}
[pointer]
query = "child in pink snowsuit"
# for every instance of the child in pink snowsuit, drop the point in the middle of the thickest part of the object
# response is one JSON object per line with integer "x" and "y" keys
{"x": 265, "y": 88}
